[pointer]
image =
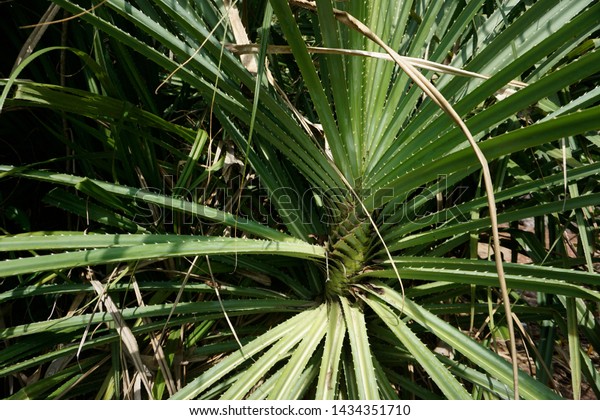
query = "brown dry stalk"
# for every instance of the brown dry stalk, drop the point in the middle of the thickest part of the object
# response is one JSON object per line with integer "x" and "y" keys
{"x": 430, "y": 90}
{"x": 65, "y": 19}
{"x": 35, "y": 35}
{"x": 242, "y": 49}
{"x": 240, "y": 35}
{"x": 127, "y": 337}
{"x": 159, "y": 353}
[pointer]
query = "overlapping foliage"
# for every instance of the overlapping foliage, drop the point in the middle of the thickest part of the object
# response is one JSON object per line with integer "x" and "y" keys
{"x": 299, "y": 223}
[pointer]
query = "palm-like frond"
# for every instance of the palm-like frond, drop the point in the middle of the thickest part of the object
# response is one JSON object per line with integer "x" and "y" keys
{"x": 333, "y": 211}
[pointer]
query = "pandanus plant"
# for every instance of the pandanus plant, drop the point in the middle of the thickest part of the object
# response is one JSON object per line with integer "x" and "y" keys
{"x": 296, "y": 199}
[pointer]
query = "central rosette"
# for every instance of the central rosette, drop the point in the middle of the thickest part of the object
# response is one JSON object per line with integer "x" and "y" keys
{"x": 347, "y": 254}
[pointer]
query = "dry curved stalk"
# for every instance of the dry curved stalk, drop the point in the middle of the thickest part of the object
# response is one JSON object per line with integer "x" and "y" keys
{"x": 241, "y": 37}
{"x": 427, "y": 87}
{"x": 47, "y": 17}
{"x": 159, "y": 353}
{"x": 242, "y": 49}
{"x": 127, "y": 337}
{"x": 36, "y": 34}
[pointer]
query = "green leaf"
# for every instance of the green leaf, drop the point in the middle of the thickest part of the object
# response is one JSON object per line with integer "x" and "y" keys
{"x": 285, "y": 387}
{"x": 273, "y": 336}
{"x": 518, "y": 276}
{"x": 150, "y": 197}
{"x": 330, "y": 364}
{"x": 490, "y": 362}
{"x": 145, "y": 247}
{"x": 451, "y": 388}
{"x": 232, "y": 307}
{"x": 364, "y": 371}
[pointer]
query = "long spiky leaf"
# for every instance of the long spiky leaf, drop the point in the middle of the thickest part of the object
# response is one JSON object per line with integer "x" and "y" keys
{"x": 439, "y": 99}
